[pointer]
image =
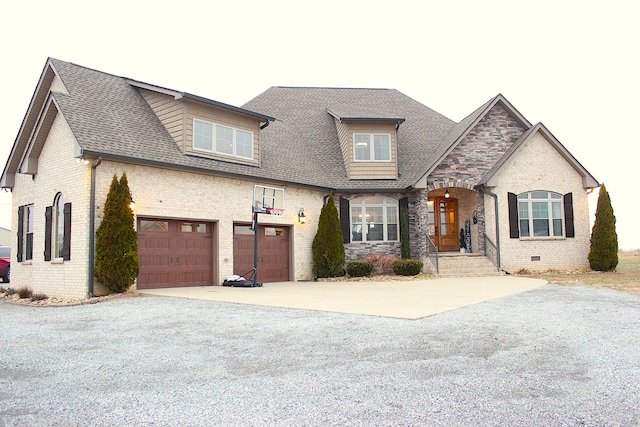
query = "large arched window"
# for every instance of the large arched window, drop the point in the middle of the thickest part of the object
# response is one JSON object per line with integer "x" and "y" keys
{"x": 540, "y": 214}
{"x": 374, "y": 219}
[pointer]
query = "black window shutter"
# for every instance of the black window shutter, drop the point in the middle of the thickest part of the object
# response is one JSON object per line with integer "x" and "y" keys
{"x": 20, "y": 248}
{"x": 568, "y": 215}
{"x": 48, "y": 217}
{"x": 514, "y": 231}
{"x": 345, "y": 220}
{"x": 66, "y": 242}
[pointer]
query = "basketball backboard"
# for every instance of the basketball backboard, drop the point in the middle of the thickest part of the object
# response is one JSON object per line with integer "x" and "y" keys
{"x": 268, "y": 200}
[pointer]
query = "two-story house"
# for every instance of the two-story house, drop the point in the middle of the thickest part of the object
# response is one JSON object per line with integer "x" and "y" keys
{"x": 198, "y": 169}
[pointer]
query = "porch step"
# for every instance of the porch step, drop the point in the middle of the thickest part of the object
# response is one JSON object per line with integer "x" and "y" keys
{"x": 466, "y": 265}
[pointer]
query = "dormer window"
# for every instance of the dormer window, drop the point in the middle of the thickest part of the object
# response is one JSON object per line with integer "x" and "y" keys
{"x": 369, "y": 147}
{"x": 222, "y": 139}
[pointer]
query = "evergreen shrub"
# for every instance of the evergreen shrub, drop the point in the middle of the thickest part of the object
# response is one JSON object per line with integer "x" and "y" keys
{"x": 328, "y": 247}
{"x": 603, "y": 255}
{"x": 117, "y": 263}
{"x": 407, "y": 267}
{"x": 359, "y": 268}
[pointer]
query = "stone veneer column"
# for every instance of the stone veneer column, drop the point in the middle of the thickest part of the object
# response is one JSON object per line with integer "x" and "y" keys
{"x": 480, "y": 215}
{"x": 418, "y": 227}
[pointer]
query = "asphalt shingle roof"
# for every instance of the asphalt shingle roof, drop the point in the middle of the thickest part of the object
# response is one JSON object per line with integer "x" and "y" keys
{"x": 109, "y": 117}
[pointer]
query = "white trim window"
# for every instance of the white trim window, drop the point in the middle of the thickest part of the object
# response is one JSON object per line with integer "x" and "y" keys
{"x": 540, "y": 214}
{"x": 374, "y": 219}
{"x": 372, "y": 147}
{"x": 222, "y": 139}
{"x": 58, "y": 226}
{"x": 28, "y": 237}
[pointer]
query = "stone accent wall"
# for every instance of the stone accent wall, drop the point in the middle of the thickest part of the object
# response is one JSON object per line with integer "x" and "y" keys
{"x": 418, "y": 226}
{"x": 478, "y": 152}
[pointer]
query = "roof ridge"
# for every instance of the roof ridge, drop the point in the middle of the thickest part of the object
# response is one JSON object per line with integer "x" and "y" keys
{"x": 333, "y": 88}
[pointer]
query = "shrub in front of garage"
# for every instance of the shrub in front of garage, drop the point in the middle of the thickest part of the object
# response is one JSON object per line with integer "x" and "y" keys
{"x": 328, "y": 247}
{"x": 117, "y": 263}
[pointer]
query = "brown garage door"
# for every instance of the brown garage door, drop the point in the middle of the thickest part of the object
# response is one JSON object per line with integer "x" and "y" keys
{"x": 174, "y": 253}
{"x": 273, "y": 252}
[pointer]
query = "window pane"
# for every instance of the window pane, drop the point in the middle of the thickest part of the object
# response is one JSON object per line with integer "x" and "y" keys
{"x": 149, "y": 225}
{"x": 242, "y": 229}
{"x": 524, "y": 228}
{"x": 244, "y": 144}
{"x": 374, "y": 214}
{"x": 540, "y": 209}
{"x": 392, "y": 215}
{"x": 202, "y": 135}
{"x": 523, "y": 196}
{"x": 58, "y": 231}
{"x": 381, "y": 147}
{"x": 556, "y": 208}
{"x": 362, "y": 148}
{"x": 541, "y": 227}
{"x": 356, "y": 233}
{"x": 193, "y": 227}
{"x": 539, "y": 195}
{"x": 523, "y": 210}
{"x": 224, "y": 140}
{"x": 555, "y": 196}
{"x": 375, "y": 232}
{"x": 392, "y": 232}
{"x": 273, "y": 231}
{"x": 557, "y": 227}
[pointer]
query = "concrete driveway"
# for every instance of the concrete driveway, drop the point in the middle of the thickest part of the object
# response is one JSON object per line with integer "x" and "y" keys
{"x": 399, "y": 299}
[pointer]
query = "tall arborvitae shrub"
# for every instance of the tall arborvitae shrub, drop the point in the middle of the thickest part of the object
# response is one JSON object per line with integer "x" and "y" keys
{"x": 405, "y": 240}
{"x": 117, "y": 263}
{"x": 603, "y": 255}
{"x": 328, "y": 248}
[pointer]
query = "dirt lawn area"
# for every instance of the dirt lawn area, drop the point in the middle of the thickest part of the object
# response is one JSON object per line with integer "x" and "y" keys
{"x": 625, "y": 278}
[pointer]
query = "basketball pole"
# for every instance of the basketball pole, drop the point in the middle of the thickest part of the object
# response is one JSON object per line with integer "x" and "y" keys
{"x": 255, "y": 247}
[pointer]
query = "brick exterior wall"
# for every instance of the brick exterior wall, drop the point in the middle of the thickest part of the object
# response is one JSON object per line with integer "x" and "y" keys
{"x": 222, "y": 201}
{"x": 157, "y": 192}
{"x": 538, "y": 166}
{"x": 58, "y": 171}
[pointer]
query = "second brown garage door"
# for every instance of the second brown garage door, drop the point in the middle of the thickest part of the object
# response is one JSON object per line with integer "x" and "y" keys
{"x": 174, "y": 253}
{"x": 273, "y": 252}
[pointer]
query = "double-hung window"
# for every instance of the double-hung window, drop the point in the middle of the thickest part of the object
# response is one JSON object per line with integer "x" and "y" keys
{"x": 28, "y": 237}
{"x": 374, "y": 219}
{"x": 222, "y": 139}
{"x": 540, "y": 214}
{"x": 372, "y": 147}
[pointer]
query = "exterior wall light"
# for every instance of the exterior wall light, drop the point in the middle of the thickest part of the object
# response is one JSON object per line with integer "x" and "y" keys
{"x": 301, "y": 218}
{"x": 132, "y": 204}
{"x": 446, "y": 193}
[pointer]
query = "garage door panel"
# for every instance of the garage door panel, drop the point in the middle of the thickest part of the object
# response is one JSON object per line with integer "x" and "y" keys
{"x": 172, "y": 257}
{"x": 273, "y": 252}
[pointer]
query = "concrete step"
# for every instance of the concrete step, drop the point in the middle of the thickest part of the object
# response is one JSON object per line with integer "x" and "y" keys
{"x": 466, "y": 265}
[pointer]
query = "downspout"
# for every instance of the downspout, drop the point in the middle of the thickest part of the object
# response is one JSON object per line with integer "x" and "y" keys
{"x": 92, "y": 221}
{"x": 495, "y": 199}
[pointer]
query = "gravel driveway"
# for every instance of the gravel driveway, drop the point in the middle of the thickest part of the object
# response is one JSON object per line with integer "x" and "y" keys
{"x": 551, "y": 356}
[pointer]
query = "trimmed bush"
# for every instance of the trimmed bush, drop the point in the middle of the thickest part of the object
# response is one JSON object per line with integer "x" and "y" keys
{"x": 603, "y": 255}
{"x": 407, "y": 267}
{"x": 359, "y": 268}
{"x": 328, "y": 248}
{"x": 25, "y": 293}
{"x": 10, "y": 291}
{"x": 117, "y": 263}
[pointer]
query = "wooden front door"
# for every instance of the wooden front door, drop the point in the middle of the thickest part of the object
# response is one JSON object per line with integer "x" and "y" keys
{"x": 443, "y": 223}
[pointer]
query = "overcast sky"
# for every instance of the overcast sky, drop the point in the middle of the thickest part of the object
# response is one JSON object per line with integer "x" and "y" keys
{"x": 572, "y": 65}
